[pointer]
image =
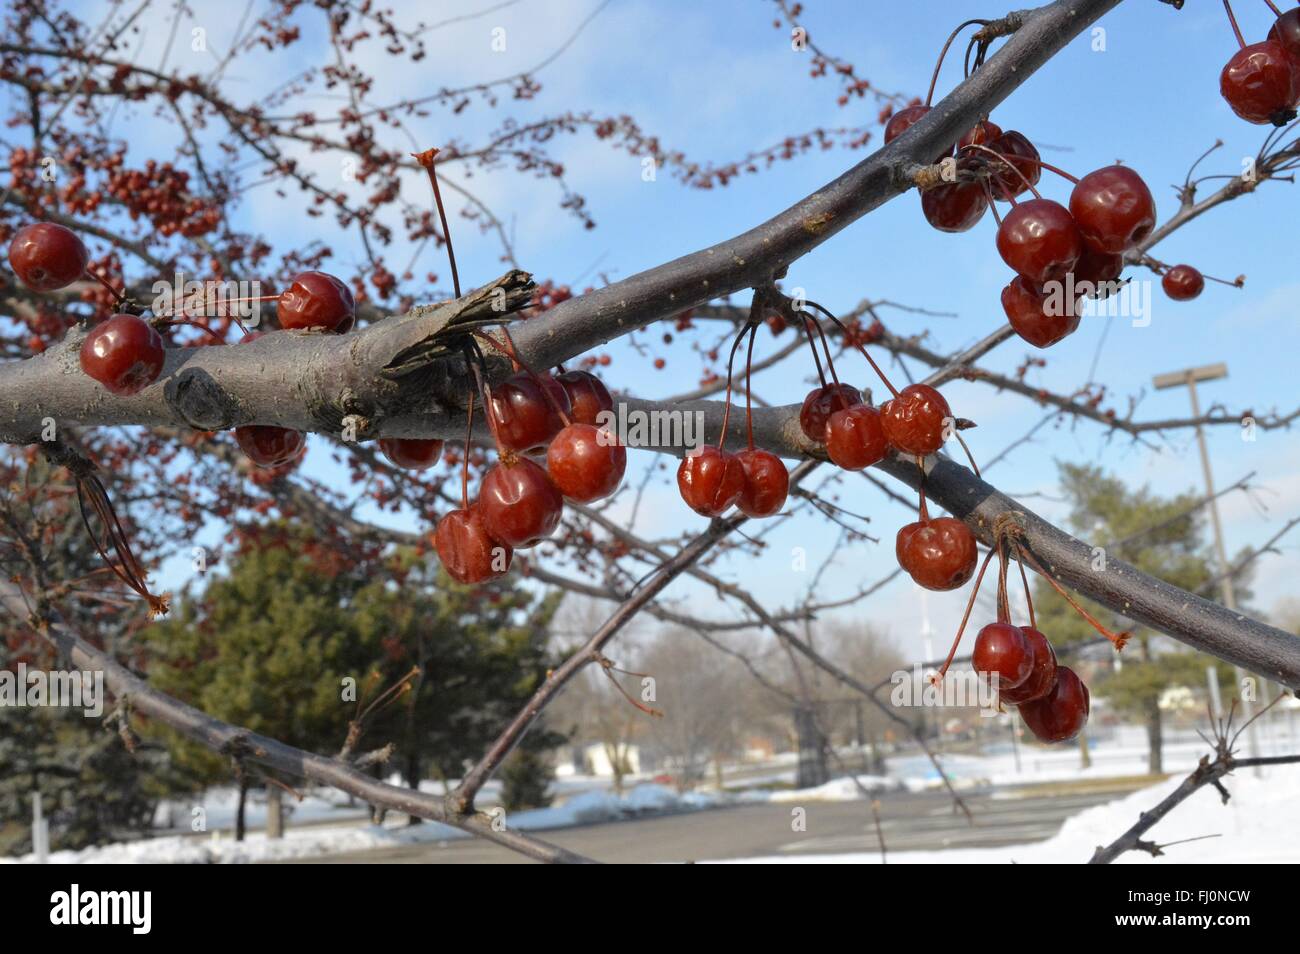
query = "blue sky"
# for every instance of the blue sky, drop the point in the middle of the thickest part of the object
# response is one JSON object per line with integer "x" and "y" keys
{"x": 718, "y": 81}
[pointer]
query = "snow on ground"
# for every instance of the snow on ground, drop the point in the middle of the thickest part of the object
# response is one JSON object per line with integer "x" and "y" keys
{"x": 325, "y": 822}
{"x": 584, "y": 808}
{"x": 1259, "y": 825}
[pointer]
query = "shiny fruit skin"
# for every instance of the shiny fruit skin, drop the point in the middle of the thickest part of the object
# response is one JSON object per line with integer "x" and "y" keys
{"x": 1285, "y": 31}
{"x": 587, "y": 395}
{"x": 1043, "y": 676}
{"x": 1027, "y": 308}
{"x": 1002, "y": 650}
{"x": 820, "y": 404}
{"x": 468, "y": 553}
{"x": 954, "y": 206}
{"x": 585, "y": 463}
{"x": 914, "y": 421}
{"x": 902, "y": 121}
{"x": 710, "y": 481}
{"x": 1261, "y": 83}
{"x": 1039, "y": 240}
{"x": 855, "y": 437}
{"x": 1017, "y": 152}
{"x": 938, "y": 554}
{"x": 520, "y": 505}
{"x": 124, "y": 353}
{"x": 1182, "y": 283}
{"x": 523, "y": 419}
{"x": 1060, "y": 715}
{"x": 411, "y": 453}
{"x": 767, "y": 483}
{"x": 46, "y": 256}
{"x": 316, "y": 300}
{"x": 269, "y": 446}
{"x": 1113, "y": 209}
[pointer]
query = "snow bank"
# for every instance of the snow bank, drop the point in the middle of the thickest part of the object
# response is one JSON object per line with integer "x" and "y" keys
{"x": 1259, "y": 825}
{"x": 218, "y": 848}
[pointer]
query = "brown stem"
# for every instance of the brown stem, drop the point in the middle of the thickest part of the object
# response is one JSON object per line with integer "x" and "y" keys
{"x": 426, "y": 159}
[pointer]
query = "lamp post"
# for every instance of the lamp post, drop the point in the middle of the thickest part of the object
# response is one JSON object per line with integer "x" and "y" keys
{"x": 1188, "y": 377}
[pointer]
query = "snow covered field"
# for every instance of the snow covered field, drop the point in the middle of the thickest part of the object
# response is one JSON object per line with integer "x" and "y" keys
{"x": 1259, "y": 825}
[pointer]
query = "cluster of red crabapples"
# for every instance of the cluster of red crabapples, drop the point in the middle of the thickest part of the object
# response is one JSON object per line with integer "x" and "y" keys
{"x": 1018, "y": 661}
{"x": 520, "y": 502}
{"x": 1063, "y": 256}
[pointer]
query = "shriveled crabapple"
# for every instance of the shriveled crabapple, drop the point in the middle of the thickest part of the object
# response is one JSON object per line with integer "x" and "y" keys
{"x": 855, "y": 437}
{"x": 915, "y": 420}
{"x": 821, "y": 403}
{"x": 938, "y": 554}
{"x": 710, "y": 480}
{"x": 767, "y": 483}
{"x": 316, "y": 300}
{"x": 466, "y": 549}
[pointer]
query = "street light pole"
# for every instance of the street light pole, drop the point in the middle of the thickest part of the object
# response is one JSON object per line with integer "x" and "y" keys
{"x": 1188, "y": 378}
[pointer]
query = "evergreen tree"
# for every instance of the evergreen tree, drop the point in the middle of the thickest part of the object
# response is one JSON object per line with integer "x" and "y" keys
{"x": 300, "y": 639}
{"x": 1162, "y": 536}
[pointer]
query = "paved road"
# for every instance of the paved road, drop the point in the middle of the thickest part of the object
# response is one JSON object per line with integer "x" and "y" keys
{"x": 910, "y": 822}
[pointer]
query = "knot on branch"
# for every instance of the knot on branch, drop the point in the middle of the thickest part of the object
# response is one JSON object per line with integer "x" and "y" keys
{"x": 200, "y": 401}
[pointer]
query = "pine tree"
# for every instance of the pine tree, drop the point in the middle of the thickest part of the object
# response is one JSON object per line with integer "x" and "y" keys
{"x": 1163, "y": 536}
{"x": 300, "y": 640}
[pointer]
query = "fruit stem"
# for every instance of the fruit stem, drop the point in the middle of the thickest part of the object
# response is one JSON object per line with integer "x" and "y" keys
{"x": 426, "y": 159}
{"x": 126, "y": 567}
{"x": 1241, "y": 41}
{"x": 944, "y": 52}
{"x": 1029, "y": 600}
{"x": 475, "y": 362}
{"x": 826, "y": 348}
{"x": 608, "y": 668}
{"x": 970, "y": 605}
{"x": 469, "y": 438}
{"x": 988, "y": 191}
{"x": 969, "y": 456}
{"x": 749, "y": 404}
{"x": 807, "y": 322}
{"x": 1272, "y": 6}
{"x": 726, "y": 407}
{"x": 922, "y": 513}
{"x": 1043, "y": 165}
{"x": 871, "y": 361}
{"x": 1004, "y": 604}
{"x": 118, "y": 297}
{"x": 1119, "y": 639}
{"x": 170, "y": 322}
